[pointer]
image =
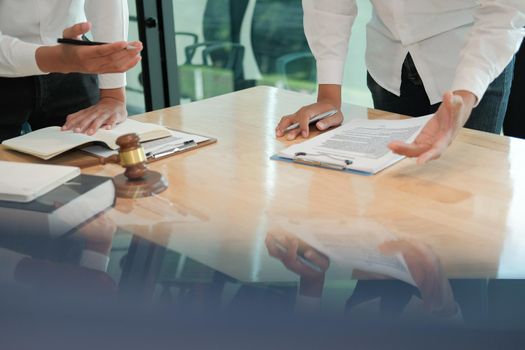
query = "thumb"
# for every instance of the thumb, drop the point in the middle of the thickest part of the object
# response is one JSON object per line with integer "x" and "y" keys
{"x": 334, "y": 120}
{"x": 76, "y": 31}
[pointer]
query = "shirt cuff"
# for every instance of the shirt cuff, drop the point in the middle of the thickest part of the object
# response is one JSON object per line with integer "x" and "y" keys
{"x": 9, "y": 261}
{"x": 25, "y": 54}
{"x": 472, "y": 80}
{"x": 307, "y": 305}
{"x": 330, "y": 72}
{"x": 93, "y": 260}
{"x": 112, "y": 81}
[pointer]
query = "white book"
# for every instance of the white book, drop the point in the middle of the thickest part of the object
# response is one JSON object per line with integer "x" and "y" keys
{"x": 359, "y": 145}
{"x": 61, "y": 210}
{"x": 23, "y": 182}
{"x": 50, "y": 142}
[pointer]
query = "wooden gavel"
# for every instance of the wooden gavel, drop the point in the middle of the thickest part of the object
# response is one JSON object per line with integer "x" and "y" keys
{"x": 130, "y": 155}
{"x": 137, "y": 181}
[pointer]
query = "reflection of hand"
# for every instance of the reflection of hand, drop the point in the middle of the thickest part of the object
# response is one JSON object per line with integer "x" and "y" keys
{"x": 108, "y": 58}
{"x": 426, "y": 271}
{"x": 98, "y": 234}
{"x": 441, "y": 130}
{"x": 109, "y": 111}
{"x": 286, "y": 249}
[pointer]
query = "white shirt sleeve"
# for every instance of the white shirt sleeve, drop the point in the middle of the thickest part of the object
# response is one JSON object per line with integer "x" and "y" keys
{"x": 17, "y": 58}
{"x": 110, "y": 21}
{"x": 328, "y": 25}
{"x": 494, "y": 39}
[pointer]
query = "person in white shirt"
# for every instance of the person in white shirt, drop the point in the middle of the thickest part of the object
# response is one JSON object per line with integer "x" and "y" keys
{"x": 48, "y": 84}
{"x": 419, "y": 53}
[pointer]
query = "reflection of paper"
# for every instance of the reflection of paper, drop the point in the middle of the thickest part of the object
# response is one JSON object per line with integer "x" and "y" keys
{"x": 363, "y": 142}
{"x": 150, "y": 212}
{"x": 177, "y": 137}
{"x": 352, "y": 244}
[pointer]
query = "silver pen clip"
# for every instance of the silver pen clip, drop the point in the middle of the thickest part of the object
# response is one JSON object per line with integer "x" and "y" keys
{"x": 335, "y": 164}
{"x": 174, "y": 149}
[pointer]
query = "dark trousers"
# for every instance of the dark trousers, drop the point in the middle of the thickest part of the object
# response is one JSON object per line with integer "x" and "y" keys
{"x": 44, "y": 100}
{"x": 514, "y": 119}
{"x": 487, "y": 116}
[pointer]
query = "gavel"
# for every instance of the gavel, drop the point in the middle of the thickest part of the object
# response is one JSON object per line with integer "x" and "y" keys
{"x": 137, "y": 180}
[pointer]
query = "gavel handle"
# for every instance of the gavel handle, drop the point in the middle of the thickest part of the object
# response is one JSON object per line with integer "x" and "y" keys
{"x": 114, "y": 159}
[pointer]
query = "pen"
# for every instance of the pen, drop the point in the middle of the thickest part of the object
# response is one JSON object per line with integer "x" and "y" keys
{"x": 164, "y": 150}
{"x": 314, "y": 119}
{"x": 85, "y": 42}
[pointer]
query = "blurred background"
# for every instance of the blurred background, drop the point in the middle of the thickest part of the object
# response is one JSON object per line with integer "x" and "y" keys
{"x": 207, "y": 48}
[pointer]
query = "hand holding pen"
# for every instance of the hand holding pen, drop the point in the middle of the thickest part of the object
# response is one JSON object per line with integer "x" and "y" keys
{"x": 324, "y": 115}
{"x": 76, "y": 55}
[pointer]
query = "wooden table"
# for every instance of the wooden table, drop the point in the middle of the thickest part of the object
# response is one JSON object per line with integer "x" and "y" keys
{"x": 223, "y": 199}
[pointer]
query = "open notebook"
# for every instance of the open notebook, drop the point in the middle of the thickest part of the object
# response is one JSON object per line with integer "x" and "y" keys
{"x": 50, "y": 142}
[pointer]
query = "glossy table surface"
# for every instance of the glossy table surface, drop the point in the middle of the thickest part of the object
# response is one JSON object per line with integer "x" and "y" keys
{"x": 224, "y": 198}
{"x": 460, "y": 218}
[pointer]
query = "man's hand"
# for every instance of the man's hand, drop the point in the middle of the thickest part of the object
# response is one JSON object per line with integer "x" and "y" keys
{"x": 111, "y": 58}
{"x": 108, "y": 112}
{"x": 329, "y": 97}
{"x": 441, "y": 130}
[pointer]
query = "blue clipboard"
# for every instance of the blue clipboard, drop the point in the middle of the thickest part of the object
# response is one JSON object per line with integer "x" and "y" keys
{"x": 352, "y": 171}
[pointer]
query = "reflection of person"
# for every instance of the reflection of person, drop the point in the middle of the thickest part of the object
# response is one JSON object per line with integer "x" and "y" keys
{"x": 432, "y": 285}
{"x": 419, "y": 53}
{"x": 89, "y": 277}
{"x": 40, "y": 81}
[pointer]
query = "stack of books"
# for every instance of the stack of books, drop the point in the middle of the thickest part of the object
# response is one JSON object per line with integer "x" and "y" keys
{"x": 50, "y": 199}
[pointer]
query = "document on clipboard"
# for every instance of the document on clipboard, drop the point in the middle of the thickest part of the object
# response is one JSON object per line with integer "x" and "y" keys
{"x": 359, "y": 146}
{"x": 178, "y": 142}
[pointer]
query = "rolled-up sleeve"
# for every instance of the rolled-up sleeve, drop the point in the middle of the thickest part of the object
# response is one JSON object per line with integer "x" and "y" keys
{"x": 17, "y": 58}
{"x": 494, "y": 39}
{"x": 328, "y": 25}
{"x": 110, "y": 19}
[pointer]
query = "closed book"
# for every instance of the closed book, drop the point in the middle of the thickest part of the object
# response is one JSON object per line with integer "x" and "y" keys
{"x": 60, "y": 210}
{"x": 24, "y": 182}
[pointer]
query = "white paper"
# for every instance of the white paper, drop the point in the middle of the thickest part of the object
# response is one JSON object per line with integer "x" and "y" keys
{"x": 363, "y": 142}
{"x": 351, "y": 244}
{"x": 177, "y": 137}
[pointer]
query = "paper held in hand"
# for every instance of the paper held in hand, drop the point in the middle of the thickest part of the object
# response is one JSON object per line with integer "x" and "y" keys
{"x": 50, "y": 142}
{"x": 360, "y": 145}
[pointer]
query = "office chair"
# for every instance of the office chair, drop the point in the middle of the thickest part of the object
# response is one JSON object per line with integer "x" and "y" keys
{"x": 221, "y": 67}
{"x": 280, "y": 46}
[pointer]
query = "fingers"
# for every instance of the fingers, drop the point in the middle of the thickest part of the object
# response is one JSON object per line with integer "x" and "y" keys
{"x": 107, "y": 113}
{"x": 303, "y": 117}
{"x": 76, "y": 31}
{"x": 408, "y": 149}
{"x": 319, "y": 260}
{"x": 285, "y": 122}
{"x": 335, "y": 120}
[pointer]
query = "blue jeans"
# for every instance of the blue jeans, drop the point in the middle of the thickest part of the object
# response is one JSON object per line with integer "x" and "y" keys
{"x": 487, "y": 116}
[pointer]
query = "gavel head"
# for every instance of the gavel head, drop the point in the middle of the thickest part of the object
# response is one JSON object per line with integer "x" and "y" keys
{"x": 132, "y": 157}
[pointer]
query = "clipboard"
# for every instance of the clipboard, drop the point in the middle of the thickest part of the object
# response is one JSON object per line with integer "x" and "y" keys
{"x": 320, "y": 165}
{"x": 163, "y": 153}
{"x": 180, "y": 150}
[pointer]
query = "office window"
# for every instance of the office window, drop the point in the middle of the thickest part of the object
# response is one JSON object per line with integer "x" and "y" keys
{"x": 134, "y": 89}
{"x": 227, "y": 45}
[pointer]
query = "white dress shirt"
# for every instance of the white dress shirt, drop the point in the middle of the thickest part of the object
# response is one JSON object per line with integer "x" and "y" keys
{"x": 26, "y": 25}
{"x": 455, "y": 44}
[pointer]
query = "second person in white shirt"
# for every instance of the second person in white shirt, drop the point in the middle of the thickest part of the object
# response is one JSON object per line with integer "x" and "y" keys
{"x": 423, "y": 56}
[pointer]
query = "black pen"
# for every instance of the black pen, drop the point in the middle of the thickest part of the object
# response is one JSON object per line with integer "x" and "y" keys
{"x": 86, "y": 42}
